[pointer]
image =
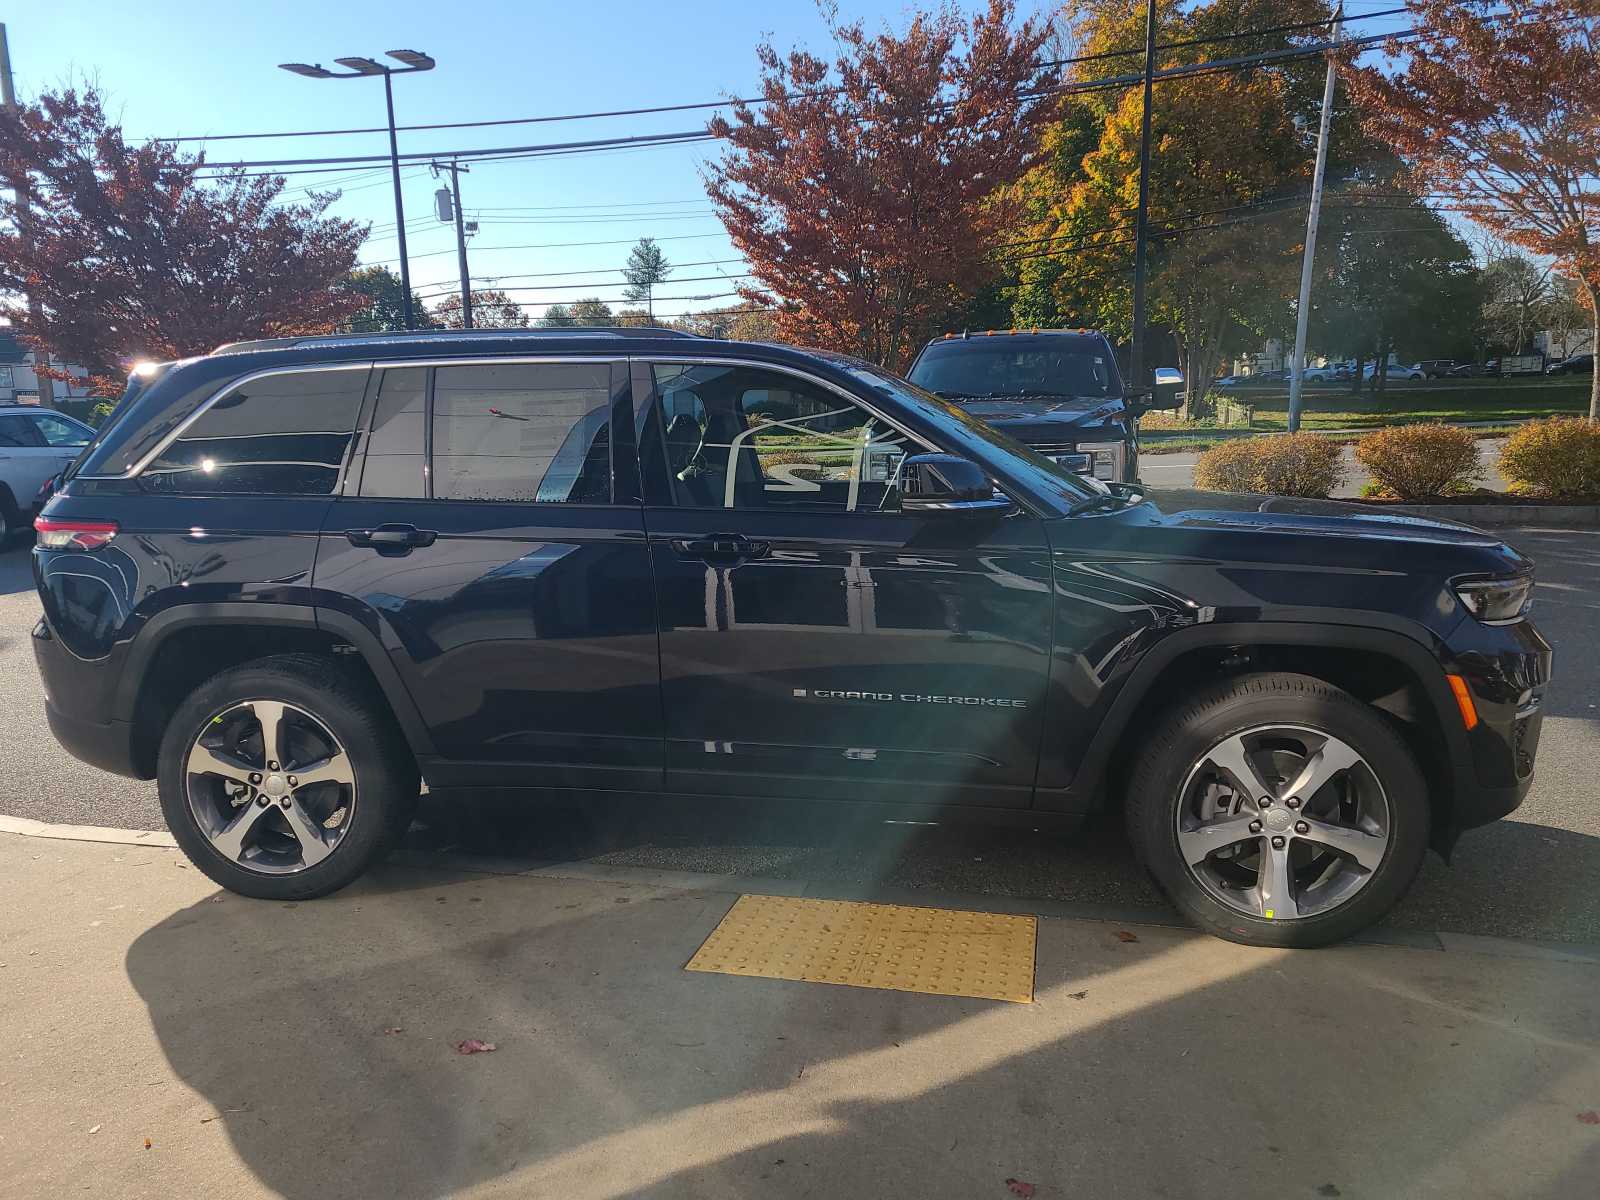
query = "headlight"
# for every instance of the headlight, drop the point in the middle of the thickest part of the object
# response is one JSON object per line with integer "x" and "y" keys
{"x": 1496, "y": 601}
{"x": 1103, "y": 459}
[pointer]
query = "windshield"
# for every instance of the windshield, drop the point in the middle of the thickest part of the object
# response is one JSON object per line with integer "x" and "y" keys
{"x": 965, "y": 368}
{"x": 961, "y": 432}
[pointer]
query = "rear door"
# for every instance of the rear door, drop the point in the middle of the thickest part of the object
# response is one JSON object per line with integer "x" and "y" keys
{"x": 815, "y": 641}
{"x": 26, "y": 459}
{"x": 493, "y": 538}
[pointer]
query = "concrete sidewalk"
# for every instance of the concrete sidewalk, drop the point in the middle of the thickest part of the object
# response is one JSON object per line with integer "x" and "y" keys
{"x": 307, "y": 1050}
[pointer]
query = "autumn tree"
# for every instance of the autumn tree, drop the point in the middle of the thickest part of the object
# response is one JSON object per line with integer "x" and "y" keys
{"x": 141, "y": 252}
{"x": 588, "y": 312}
{"x": 744, "y": 323}
{"x": 1498, "y": 108}
{"x": 646, "y": 267}
{"x": 860, "y": 191}
{"x": 383, "y": 306}
{"x": 491, "y": 309}
{"x": 1567, "y": 317}
{"x": 1516, "y": 300}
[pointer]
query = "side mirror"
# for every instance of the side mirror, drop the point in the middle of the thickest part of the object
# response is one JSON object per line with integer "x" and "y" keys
{"x": 946, "y": 483}
{"x": 1168, "y": 389}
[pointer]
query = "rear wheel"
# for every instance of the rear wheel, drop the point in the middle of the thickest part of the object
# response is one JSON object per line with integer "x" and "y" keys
{"x": 284, "y": 778}
{"x": 1278, "y": 810}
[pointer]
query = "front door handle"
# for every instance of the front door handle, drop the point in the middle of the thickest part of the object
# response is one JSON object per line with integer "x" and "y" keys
{"x": 401, "y": 538}
{"x": 721, "y": 548}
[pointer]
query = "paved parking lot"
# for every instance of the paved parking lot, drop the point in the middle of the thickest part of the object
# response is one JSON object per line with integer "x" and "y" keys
{"x": 1534, "y": 876}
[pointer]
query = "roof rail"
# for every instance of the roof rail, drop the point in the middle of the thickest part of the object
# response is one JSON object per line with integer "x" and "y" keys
{"x": 391, "y": 336}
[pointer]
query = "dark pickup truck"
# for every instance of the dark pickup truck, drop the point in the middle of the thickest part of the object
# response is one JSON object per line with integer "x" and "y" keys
{"x": 291, "y": 578}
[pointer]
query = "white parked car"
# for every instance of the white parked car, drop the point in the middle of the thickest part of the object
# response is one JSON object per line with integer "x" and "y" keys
{"x": 1414, "y": 371}
{"x": 35, "y": 444}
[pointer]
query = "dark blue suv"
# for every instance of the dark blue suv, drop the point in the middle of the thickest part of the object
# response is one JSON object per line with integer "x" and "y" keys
{"x": 290, "y": 578}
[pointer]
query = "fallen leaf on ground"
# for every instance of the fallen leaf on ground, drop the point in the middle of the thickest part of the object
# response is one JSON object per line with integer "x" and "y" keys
{"x": 391, "y": 1030}
{"x": 1077, "y": 995}
{"x": 1590, "y": 1118}
{"x": 94, "y": 1129}
{"x": 1124, "y": 936}
{"x": 474, "y": 1046}
{"x": 147, "y": 1143}
{"x": 1020, "y": 1187}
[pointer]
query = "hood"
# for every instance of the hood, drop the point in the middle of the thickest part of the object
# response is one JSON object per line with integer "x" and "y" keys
{"x": 1047, "y": 419}
{"x": 1330, "y": 518}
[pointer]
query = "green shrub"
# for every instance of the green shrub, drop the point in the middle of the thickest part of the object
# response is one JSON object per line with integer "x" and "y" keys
{"x": 1558, "y": 459}
{"x": 1285, "y": 464}
{"x": 1420, "y": 462}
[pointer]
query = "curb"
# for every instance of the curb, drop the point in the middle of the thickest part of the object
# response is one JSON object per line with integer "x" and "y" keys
{"x": 734, "y": 885}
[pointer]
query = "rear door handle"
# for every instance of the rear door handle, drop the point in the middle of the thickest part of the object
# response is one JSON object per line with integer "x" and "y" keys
{"x": 392, "y": 537}
{"x": 721, "y": 547}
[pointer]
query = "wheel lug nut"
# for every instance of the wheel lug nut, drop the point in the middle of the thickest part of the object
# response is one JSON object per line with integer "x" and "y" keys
{"x": 272, "y": 766}
{"x": 284, "y": 802}
{"x": 1301, "y": 827}
{"x": 255, "y": 777}
{"x": 293, "y": 782}
{"x": 1278, "y": 843}
{"x": 1293, "y": 801}
{"x": 262, "y": 801}
{"x": 1266, "y": 802}
{"x": 1255, "y": 826}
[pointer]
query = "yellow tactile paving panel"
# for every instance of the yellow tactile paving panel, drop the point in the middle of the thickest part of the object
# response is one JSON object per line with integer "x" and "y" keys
{"x": 937, "y": 950}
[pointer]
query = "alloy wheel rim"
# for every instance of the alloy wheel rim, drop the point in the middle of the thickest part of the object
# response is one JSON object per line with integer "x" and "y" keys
{"x": 1282, "y": 822}
{"x": 270, "y": 786}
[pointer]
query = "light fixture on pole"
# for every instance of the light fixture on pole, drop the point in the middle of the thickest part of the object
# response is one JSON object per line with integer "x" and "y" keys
{"x": 356, "y": 67}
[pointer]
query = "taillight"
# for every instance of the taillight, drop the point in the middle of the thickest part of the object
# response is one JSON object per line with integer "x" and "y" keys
{"x": 63, "y": 533}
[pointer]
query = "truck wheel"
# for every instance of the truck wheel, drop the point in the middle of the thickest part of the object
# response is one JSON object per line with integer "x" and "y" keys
{"x": 1278, "y": 810}
{"x": 285, "y": 777}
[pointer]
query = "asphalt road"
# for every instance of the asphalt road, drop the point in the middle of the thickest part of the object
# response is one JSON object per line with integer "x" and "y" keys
{"x": 1177, "y": 470}
{"x": 1537, "y": 875}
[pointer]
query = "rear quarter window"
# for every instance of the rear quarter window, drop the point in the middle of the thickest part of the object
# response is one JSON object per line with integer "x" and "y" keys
{"x": 284, "y": 434}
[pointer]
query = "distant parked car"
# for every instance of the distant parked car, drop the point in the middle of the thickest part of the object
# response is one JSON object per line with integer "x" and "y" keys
{"x": 35, "y": 445}
{"x": 1469, "y": 371}
{"x": 1577, "y": 364}
{"x": 1437, "y": 368}
{"x": 1413, "y": 372}
{"x": 1328, "y": 372}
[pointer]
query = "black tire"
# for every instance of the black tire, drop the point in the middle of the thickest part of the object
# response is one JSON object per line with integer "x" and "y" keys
{"x": 1190, "y": 730}
{"x": 387, "y": 782}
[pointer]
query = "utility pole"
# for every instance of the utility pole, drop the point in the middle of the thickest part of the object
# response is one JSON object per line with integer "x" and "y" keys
{"x": 1142, "y": 220}
{"x": 23, "y": 195}
{"x": 461, "y": 238}
{"x": 1297, "y": 365}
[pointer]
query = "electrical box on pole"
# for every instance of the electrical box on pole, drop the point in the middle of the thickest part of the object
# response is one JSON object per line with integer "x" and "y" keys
{"x": 444, "y": 205}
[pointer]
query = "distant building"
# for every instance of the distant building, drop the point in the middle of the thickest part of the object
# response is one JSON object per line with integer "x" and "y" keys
{"x": 1555, "y": 347}
{"x": 18, "y": 382}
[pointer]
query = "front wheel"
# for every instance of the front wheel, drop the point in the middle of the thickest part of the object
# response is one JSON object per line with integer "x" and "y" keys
{"x": 284, "y": 778}
{"x": 1278, "y": 810}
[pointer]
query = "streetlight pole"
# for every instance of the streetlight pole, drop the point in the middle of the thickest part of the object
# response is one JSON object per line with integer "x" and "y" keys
{"x": 1142, "y": 219}
{"x": 414, "y": 60}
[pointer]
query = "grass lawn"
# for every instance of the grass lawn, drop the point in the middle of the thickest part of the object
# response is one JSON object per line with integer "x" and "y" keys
{"x": 1507, "y": 403}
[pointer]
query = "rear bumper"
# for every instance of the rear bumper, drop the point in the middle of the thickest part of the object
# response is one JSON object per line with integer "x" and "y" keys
{"x": 108, "y": 746}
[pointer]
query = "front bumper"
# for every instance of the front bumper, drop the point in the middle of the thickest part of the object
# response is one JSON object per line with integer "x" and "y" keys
{"x": 1507, "y": 674}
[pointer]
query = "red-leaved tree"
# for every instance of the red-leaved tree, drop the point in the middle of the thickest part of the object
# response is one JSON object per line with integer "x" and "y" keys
{"x": 1497, "y": 106}
{"x": 862, "y": 194}
{"x": 131, "y": 252}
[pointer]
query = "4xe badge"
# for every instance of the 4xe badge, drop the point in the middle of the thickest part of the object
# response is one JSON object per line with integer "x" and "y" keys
{"x": 907, "y": 698}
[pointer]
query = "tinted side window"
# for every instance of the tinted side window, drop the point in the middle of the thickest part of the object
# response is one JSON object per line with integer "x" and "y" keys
{"x": 57, "y": 432}
{"x": 531, "y": 432}
{"x": 396, "y": 459}
{"x": 743, "y": 437}
{"x": 17, "y": 430}
{"x": 280, "y": 435}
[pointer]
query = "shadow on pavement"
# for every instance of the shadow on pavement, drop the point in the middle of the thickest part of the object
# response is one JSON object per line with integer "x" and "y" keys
{"x": 1178, "y": 1065}
{"x": 16, "y": 566}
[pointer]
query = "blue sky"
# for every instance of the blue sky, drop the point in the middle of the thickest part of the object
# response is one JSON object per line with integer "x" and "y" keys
{"x": 176, "y": 68}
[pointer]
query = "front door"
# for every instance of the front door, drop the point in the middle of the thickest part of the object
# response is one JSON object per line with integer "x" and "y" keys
{"x": 814, "y": 643}
{"x": 494, "y": 538}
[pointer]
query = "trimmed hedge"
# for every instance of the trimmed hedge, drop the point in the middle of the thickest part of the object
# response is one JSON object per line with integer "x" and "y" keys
{"x": 1557, "y": 459}
{"x": 1285, "y": 464}
{"x": 1420, "y": 462}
